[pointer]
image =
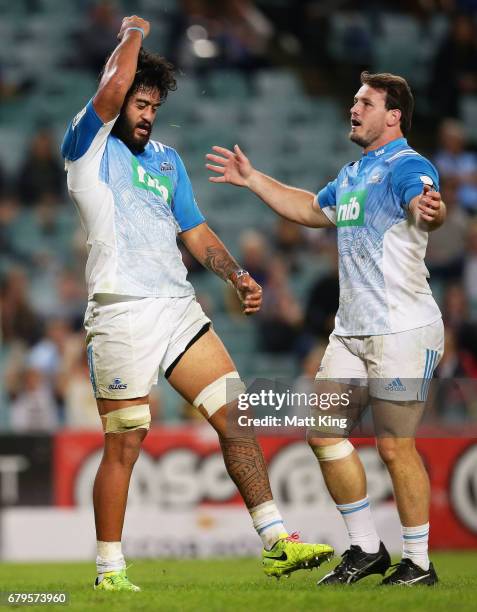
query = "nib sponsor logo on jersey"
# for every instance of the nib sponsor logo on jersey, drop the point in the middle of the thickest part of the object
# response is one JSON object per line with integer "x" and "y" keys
{"x": 395, "y": 385}
{"x": 117, "y": 385}
{"x": 351, "y": 209}
{"x": 160, "y": 185}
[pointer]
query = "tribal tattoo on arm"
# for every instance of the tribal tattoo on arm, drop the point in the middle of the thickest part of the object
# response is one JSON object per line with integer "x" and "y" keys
{"x": 220, "y": 261}
{"x": 246, "y": 466}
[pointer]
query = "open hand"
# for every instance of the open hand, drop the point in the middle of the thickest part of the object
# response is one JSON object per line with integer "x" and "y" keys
{"x": 232, "y": 166}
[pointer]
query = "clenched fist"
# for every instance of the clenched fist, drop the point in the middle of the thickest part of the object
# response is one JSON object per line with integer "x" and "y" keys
{"x": 134, "y": 22}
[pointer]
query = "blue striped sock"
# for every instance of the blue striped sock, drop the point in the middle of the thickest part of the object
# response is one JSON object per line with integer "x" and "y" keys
{"x": 360, "y": 525}
{"x": 268, "y": 523}
{"x": 415, "y": 541}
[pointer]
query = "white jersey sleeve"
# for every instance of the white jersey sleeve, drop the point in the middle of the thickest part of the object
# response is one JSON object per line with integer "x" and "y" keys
{"x": 83, "y": 147}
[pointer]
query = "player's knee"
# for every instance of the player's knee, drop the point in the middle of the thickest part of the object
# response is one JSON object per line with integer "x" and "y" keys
{"x": 391, "y": 450}
{"x": 331, "y": 452}
{"x": 130, "y": 449}
{"x": 124, "y": 449}
{"x": 223, "y": 391}
{"x": 127, "y": 419}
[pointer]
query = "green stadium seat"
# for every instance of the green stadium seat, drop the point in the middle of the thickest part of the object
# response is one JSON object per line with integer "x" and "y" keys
{"x": 279, "y": 85}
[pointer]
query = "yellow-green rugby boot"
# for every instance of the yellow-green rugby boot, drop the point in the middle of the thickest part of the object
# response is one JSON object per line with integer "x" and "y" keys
{"x": 288, "y": 555}
{"x": 114, "y": 581}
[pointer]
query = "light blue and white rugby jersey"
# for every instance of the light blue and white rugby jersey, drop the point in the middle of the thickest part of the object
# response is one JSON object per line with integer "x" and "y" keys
{"x": 132, "y": 207}
{"x": 383, "y": 278}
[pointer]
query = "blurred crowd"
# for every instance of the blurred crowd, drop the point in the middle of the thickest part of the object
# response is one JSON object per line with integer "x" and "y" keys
{"x": 42, "y": 247}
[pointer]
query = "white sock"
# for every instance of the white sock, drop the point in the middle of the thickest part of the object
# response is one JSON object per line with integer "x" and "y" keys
{"x": 360, "y": 525}
{"x": 415, "y": 544}
{"x": 268, "y": 523}
{"x": 109, "y": 557}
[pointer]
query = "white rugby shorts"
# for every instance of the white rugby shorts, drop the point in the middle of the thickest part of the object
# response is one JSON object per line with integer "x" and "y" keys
{"x": 396, "y": 367}
{"x": 130, "y": 339}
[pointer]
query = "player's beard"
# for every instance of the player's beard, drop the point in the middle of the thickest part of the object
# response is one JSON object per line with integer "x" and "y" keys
{"x": 361, "y": 141}
{"x": 365, "y": 140}
{"x": 124, "y": 129}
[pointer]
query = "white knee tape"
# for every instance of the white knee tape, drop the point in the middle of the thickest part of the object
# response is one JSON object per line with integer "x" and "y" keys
{"x": 127, "y": 419}
{"x": 222, "y": 391}
{"x": 333, "y": 451}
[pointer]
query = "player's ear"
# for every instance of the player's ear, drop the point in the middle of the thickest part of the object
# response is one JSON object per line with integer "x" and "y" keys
{"x": 394, "y": 117}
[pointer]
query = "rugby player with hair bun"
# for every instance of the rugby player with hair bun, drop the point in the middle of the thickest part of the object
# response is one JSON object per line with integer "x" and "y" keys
{"x": 134, "y": 197}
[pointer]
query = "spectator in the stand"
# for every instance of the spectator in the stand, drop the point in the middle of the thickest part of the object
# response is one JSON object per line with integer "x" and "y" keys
{"x": 470, "y": 268}
{"x": 41, "y": 171}
{"x": 47, "y": 354}
{"x": 323, "y": 301}
{"x": 455, "y": 307}
{"x": 18, "y": 320}
{"x": 289, "y": 241}
{"x": 456, "y": 163}
{"x": 10, "y": 225}
{"x": 458, "y": 320}
{"x": 74, "y": 386}
{"x": 280, "y": 320}
{"x": 222, "y": 34}
{"x": 2, "y": 182}
{"x": 445, "y": 256}
{"x": 246, "y": 33}
{"x": 255, "y": 254}
{"x": 34, "y": 408}
{"x": 11, "y": 87}
{"x": 454, "y": 72}
{"x": 452, "y": 397}
{"x": 72, "y": 298}
{"x": 98, "y": 36}
{"x": 455, "y": 361}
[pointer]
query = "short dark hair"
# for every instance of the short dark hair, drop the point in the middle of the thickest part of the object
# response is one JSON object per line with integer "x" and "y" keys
{"x": 398, "y": 94}
{"x": 153, "y": 72}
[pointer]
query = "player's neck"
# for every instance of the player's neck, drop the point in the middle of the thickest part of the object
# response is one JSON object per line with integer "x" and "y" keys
{"x": 382, "y": 141}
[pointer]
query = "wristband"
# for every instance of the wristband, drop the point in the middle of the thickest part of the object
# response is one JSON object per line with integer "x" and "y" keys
{"x": 135, "y": 28}
{"x": 236, "y": 275}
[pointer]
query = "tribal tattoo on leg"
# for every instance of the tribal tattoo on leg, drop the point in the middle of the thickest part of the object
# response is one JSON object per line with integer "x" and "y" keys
{"x": 246, "y": 466}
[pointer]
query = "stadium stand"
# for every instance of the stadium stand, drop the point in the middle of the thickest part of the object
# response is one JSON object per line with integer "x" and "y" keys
{"x": 299, "y": 138}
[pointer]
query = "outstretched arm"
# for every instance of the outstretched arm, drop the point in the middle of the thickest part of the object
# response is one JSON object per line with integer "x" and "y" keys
{"x": 120, "y": 69}
{"x": 294, "y": 204}
{"x": 211, "y": 252}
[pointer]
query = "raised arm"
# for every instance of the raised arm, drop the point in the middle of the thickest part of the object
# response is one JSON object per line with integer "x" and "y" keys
{"x": 118, "y": 74}
{"x": 294, "y": 204}
{"x": 211, "y": 252}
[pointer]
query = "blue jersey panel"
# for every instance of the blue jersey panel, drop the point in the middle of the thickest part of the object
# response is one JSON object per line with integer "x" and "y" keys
{"x": 184, "y": 206}
{"x": 327, "y": 196}
{"x": 408, "y": 177}
{"x": 80, "y": 133}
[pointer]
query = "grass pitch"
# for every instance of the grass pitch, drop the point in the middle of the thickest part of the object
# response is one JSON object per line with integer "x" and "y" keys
{"x": 239, "y": 585}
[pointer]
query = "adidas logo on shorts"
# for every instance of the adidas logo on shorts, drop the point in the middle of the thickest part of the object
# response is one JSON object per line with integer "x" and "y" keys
{"x": 395, "y": 385}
